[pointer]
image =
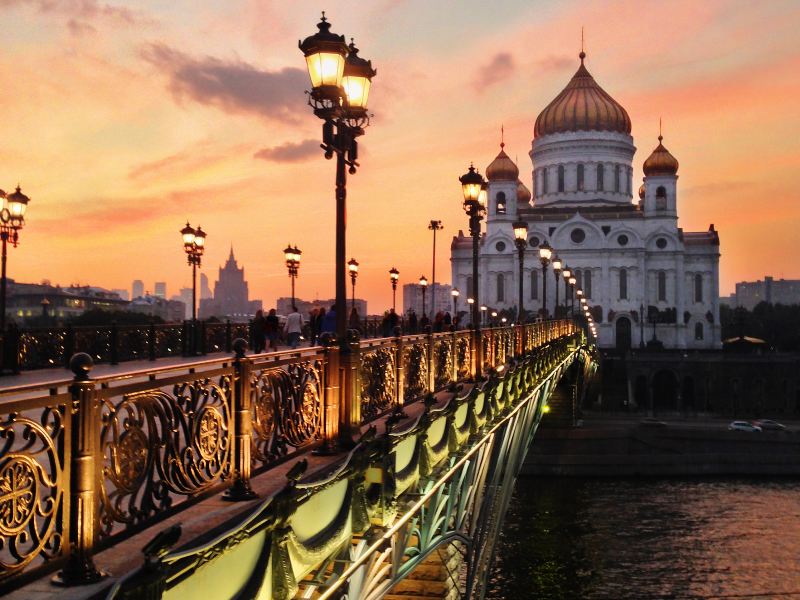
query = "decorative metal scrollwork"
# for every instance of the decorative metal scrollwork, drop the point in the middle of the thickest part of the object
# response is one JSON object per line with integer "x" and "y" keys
{"x": 463, "y": 357}
{"x": 378, "y": 382}
{"x": 31, "y": 489}
{"x": 157, "y": 446}
{"x": 415, "y": 364}
{"x": 442, "y": 363}
{"x": 287, "y": 409}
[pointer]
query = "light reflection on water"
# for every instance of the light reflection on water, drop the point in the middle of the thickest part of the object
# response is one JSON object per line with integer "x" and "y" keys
{"x": 642, "y": 539}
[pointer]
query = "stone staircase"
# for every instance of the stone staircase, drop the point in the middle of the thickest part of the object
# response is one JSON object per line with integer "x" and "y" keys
{"x": 560, "y": 404}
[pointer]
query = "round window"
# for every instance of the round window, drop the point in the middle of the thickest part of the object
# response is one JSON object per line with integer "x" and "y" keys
{"x": 578, "y": 235}
{"x": 622, "y": 240}
{"x": 661, "y": 243}
{"x": 500, "y": 246}
{"x": 534, "y": 241}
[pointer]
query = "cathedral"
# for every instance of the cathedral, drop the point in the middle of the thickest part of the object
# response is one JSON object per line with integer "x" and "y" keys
{"x": 645, "y": 278}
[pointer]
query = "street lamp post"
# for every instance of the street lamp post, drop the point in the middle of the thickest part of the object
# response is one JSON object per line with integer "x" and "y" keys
{"x": 352, "y": 266}
{"x": 394, "y": 275}
{"x": 434, "y": 226}
{"x": 455, "y": 294}
{"x": 566, "y": 274}
{"x": 340, "y": 84}
{"x": 545, "y": 252}
{"x": 557, "y": 264}
{"x": 292, "y": 254}
{"x": 12, "y": 219}
{"x": 572, "y": 282}
{"x": 194, "y": 244}
{"x": 521, "y": 242}
{"x": 473, "y": 187}
{"x": 423, "y": 283}
{"x": 641, "y": 326}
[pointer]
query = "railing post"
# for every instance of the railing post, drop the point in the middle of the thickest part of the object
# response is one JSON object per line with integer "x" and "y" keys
{"x": 400, "y": 370}
{"x": 331, "y": 395}
{"x": 84, "y": 448}
{"x": 454, "y": 348}
{"x": 243, "y": 427}
{"x": 350, "y": 408}
{"x": 475, "y": 353}
{"x": 114, "y": 344}
{"x": 13, "y": 346}
{"x": 431, "y": 359}
{"x": 228, "y": 336}
{"x": 203, "y": 349}
{"x": 151, "y": 342}
{"x": 185, "y": 342}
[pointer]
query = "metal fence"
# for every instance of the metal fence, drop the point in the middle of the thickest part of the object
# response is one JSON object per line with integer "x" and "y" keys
{"x": 86, "y": 461}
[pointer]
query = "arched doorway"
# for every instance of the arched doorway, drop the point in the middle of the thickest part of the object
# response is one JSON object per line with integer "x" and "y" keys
{"x": 623, "y": 328}
{"x": 687, "y": 394}
{"x": 665, "y": 391}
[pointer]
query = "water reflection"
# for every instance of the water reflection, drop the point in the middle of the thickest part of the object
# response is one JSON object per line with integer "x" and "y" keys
{"x": 583, "y": 538}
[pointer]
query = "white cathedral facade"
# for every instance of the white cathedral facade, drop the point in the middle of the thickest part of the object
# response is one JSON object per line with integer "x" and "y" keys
{"x": 628, "y": 257}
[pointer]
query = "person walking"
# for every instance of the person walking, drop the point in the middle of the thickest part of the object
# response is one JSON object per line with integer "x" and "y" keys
{"x": 329, "y": 321}
{"x": 316, "y": 325}
{"x": 355, "y": 322}
{"x": 293, "y": 328}
{"x": 272, "y": 325}
{"x": 412, "y": 322}
{"x": 394, "y": 321}
{"x": 258, "y": 332}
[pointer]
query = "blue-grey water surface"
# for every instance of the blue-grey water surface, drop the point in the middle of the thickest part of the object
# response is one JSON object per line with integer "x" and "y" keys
{"x": 650, "y": 538}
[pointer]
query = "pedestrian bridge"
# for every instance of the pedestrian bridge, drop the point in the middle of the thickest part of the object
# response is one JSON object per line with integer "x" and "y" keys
{"x": 422, "y": 438}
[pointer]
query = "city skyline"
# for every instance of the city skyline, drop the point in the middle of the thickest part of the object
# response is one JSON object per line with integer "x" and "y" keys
{"x": 189, "y": 124}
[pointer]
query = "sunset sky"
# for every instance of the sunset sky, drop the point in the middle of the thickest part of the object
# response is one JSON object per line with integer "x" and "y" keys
{"x": 121, "y": 120}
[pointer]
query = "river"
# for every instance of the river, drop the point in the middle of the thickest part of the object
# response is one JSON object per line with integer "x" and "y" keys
{"x": 650, "y": 538}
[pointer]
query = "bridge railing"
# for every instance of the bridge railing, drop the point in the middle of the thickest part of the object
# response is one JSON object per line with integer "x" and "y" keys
{"x": 444, "y": 476}
{"x": 85, "y": 462}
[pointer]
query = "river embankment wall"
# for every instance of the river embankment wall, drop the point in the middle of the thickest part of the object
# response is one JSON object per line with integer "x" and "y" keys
{"x": 641, "y": 450}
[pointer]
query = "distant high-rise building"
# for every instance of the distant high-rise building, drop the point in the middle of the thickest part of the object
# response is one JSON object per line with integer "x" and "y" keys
{"x": 121, "y": 293}
{"x": 160, "y": 290}
{"x": 186, "y": 298}
{"x": 137, "y": 289}
{"x": 231, "y": 296}
{"x": 205, "y": 289}
{"x": 782, "y": 291}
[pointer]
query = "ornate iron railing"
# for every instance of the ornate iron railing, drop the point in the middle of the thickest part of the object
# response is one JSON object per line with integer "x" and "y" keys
{"x": 441, "y": 479}
{"x": 84, "y": 462}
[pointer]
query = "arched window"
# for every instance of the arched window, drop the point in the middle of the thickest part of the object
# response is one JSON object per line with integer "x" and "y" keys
{"x": 470, "y": 291}
{"x": 616, "y": 178}
{"x": 629, "y": 180}
{"x": 534, "y": 284}
{"x": 623, "y": 284}
{"x": 600, "y": 177}
{"x": 560, "y": 178}
{"x": 580, "y": 178}
{"x": 501, "y": 288}
{"x": 661, "y": 198}
{"x": 545, "y": 187}
{"x": 698, "y": 287}
{"x": 698, "y": 331}
{"x": 536, "y": 183}
{"x": 578, "y": 279}
{"x": 500, "y": 206}
{"x": 587, "y": 283}
{"x": 662, "y": 286}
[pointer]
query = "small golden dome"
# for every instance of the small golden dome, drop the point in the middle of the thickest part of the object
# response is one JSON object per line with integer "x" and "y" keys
{"x": 502, "y": 168}
{"x": 582, "y": 106}
{"x": 660, "y": 161}
{"x": 641, "y": 192}
{"x": 523, "y": 193}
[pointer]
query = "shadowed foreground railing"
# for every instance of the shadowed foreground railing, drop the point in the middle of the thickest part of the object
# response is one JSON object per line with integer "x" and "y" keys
{"x": 86, "y": 462}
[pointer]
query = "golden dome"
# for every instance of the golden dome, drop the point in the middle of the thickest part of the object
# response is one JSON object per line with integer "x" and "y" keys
{"x": 582, "y": 106}
{"x": 502, "y": 168}
{"x": 660, "y": 161}
{"x": 523, "y": 193}
{"x": 641, "y": 192}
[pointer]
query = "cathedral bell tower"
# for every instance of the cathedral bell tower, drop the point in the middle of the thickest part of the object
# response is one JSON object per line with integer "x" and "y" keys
{"x": 659, "y": 191}
{"x": 503, "y": 177}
